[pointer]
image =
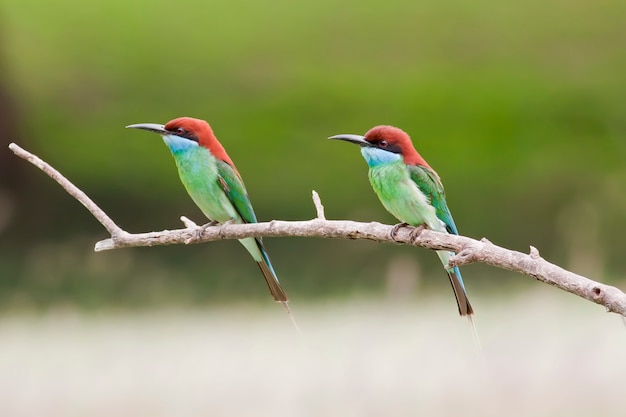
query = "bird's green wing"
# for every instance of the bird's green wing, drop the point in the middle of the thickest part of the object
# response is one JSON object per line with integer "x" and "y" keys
{"x": 429, "y": 183}
{"x": 233, "y": 187}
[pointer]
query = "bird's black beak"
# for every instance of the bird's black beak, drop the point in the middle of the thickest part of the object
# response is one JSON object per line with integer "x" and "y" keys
{"x": 150, "y": 127}
{"x": 356, "y": 139}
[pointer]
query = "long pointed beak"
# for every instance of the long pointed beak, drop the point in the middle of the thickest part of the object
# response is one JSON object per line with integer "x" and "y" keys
{"x": 151, "y": 127}
{"x": 356, "y": 139}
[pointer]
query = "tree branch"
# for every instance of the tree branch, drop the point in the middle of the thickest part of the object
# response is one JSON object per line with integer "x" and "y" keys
{"x": 72, "y": 190}
{"x": 467, "y": 250}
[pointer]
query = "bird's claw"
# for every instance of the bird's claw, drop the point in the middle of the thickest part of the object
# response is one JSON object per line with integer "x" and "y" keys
{"x": 229, "y": 221}
{"x": 201, "y": 229}
{"x": 416, "y": 232}
{"x": 396, "y": 228}
{"x": 413, "y": 235}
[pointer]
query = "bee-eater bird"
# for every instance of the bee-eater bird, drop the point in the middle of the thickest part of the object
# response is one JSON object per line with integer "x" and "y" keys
{"x": 410, "y": 190}
{"x": 214, "y": 184}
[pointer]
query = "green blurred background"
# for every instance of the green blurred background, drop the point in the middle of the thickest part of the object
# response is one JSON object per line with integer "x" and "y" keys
{"x": 521, "y": 108}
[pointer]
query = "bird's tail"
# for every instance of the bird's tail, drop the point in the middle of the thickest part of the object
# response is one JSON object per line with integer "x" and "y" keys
{"x": 465, "y": 308}
{"x": 270, "y": 276}
{"x": 272, "y": 282}
{"x": 256, "y": 249}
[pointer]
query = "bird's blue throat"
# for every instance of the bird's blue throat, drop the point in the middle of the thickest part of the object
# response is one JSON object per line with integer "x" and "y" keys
{"x": 178, "y": 144}
{"x": 376, "y": 156}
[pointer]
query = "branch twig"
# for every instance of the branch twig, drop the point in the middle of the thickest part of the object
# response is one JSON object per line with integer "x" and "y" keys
{"x": 319, "y": 208}
{"x": 468, "y": 250}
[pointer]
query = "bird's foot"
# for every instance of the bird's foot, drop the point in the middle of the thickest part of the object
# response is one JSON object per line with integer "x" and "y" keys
{"x": 229, "y": 221}
{"x": 396, "y": 228}
{"x": 201, "y": 229}
{"x": 415, "y": 233}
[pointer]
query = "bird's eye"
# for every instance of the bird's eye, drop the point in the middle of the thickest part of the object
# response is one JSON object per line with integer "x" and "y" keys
{"x": 382, "y": 143}
{"x": 180, "y": 131}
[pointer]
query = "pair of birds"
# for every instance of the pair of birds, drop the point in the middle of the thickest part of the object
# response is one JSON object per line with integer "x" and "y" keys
{"x": 404, "y": 182}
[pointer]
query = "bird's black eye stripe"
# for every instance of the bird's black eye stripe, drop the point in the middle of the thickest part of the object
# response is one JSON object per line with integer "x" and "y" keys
{"x": 179, "y": 131}
{"x": 389, "y": 147}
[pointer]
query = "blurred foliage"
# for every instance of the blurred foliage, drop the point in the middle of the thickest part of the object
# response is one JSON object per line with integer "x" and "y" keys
{"x": 519, "y": 106}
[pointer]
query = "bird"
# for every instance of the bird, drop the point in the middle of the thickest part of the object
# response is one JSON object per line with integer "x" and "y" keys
{"x": 410, "y": 190}
{"x": 215, "y": 185}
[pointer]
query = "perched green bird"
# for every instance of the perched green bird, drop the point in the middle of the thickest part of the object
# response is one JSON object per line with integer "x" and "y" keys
{"x": 214, "y": 184}
{"x": 410, "y": 190}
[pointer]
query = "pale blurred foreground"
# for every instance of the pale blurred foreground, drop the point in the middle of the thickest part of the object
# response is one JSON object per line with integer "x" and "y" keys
{"x": 544, "y": 354}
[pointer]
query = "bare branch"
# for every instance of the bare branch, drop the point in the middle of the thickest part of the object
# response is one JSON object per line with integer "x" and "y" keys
{"x": 72, "y": 190}
{"x": 468, "y": 250}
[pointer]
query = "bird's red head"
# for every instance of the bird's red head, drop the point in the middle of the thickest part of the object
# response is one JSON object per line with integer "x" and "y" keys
{"x": 201, "y": 132}
{"x": 395, "y": 140}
